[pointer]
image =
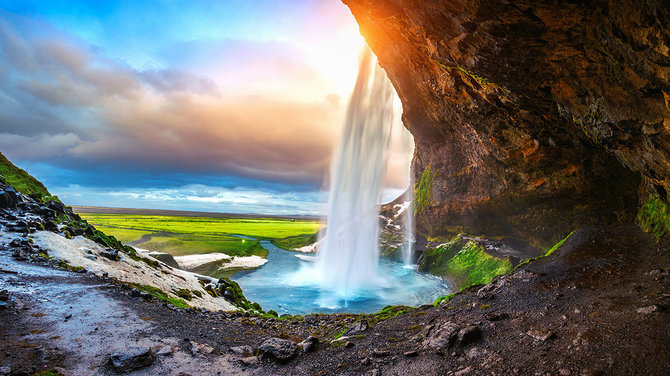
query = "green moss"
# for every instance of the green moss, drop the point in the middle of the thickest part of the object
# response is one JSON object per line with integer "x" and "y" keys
{"x": 389, "y": 312}
{"x": 481, "y": 80}
{"x": 555, "y": 247}
{"x": 549, "y": 251}
{"x": 422, "y": 190}
{"x": 292, "y": 242}
{"x": 185, "y": 294}
{"x": 51, "y": 372}
{"x": 158, "y": 293}
{"x": 232, "y": 292}
{"x": 465, "y": 262}
{"x": 654, "y": 217}
{"x": 473, "y": 266}
{"x": 23, "y": 182}
{"x": 340, "y": 334}
{"x": 72, "y": 268}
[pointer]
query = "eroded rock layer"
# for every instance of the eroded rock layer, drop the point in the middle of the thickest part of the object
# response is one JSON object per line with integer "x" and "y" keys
{"x": 531, "y": 119}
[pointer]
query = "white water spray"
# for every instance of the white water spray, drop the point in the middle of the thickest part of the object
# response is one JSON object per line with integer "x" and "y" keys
{"x": 348, "y": 255}
{"x": 408, "y": 247}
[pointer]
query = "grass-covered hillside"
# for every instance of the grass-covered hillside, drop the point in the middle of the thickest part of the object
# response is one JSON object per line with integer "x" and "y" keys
{"x": 23, "y": 182}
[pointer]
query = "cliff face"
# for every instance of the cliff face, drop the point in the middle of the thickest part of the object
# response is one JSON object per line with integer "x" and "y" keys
{"x": 530, "y": 119}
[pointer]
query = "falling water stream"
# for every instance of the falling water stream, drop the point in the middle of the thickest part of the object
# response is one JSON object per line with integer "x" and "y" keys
{"x": 348, "y": 255}
{"x": 347, "y": 273}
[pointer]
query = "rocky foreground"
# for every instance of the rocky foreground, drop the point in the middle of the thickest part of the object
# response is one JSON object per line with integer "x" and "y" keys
{"x": 597, "y": 306}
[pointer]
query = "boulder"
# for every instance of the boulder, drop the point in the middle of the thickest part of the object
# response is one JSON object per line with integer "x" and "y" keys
{"x": 131, "y": 359}
{"x": 309, "y": 344}
{"x": 442, "y": 337}
{"x": 8, "y": 198}
{"x": 358, "y": 328}
{"x": 281, "y": 350}
{"x": 244, "y": 350}
{"x": 469, "y": 334}
{"x": 56, "y": 206}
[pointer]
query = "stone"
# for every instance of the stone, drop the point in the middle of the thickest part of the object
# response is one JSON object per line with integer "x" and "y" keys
{"x": 111, "y": 254}
{"x": 463, "y": 372}
{"x": 358, "y": 328}
{"x": 165, "y": 350}
{"x": 249, "y": 361}
{"x": 469, "y": 335}
{"x": 476, "y": 352}
{"x": 411, "y": 353}
{"x": 380, "y": 353}
{"x": 201, "y": 348}
{"x": 5, "y": 370}
{"x": 648, "y": 310}
{"x": 131, "y": 359}
{"x": 442, "y": 336}
{"x": 8, "y": 199}
{"x": 495, "y": 316}
{"x": 309, "y": 344}
{"x": 281, "y": 350}
{"x": 244, "y": 350}
{"x": 541, "y": 335}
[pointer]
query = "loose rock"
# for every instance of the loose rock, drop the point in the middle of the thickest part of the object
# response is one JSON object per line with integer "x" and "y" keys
{"x": 541, "y": 335}
{"x": 281, "y": 350}
{"x": 309, "y": 344}
{"x": 133, "y": 358}
{"x": 244, "y": 350}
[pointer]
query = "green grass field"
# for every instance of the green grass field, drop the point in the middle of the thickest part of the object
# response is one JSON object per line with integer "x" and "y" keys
{"x": 180, "y": 236}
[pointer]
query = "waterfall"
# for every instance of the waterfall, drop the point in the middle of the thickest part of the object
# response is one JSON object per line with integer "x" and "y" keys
{"x": 408, "y": 247}
{"x": 347, "y": 257}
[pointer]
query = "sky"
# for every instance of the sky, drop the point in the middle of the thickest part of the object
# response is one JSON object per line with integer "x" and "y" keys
{"x": 225, "y": 106}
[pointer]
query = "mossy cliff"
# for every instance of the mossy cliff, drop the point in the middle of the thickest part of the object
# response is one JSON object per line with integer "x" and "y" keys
{"x": 464, "y": 262}
{"x": 532, "y": 118}
{"x": 23, "y": 182}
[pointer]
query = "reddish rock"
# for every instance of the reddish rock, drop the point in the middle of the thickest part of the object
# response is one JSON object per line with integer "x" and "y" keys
{"x": 536, "y": 118}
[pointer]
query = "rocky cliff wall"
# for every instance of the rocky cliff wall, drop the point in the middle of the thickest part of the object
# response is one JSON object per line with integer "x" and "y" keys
{"x": 530, "y": 118}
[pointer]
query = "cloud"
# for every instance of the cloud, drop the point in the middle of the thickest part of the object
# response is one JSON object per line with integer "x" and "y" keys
{"x": 163, "y": 119}
{"x": 253, "y": 110}
{"x": 198, "y": 197}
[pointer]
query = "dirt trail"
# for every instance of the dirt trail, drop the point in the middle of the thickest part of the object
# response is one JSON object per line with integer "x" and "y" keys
{"x": 75, "y": 321}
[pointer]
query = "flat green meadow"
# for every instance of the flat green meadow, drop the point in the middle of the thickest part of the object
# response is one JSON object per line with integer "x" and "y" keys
{"x": 180, "y": 235}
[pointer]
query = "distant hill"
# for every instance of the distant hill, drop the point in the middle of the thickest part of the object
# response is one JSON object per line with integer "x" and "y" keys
{"x": 180, "y": 213}
{"x": 23, "y": 181}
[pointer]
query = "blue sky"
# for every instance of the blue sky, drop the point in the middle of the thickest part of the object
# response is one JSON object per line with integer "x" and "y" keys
{"x": 228, "y": 106}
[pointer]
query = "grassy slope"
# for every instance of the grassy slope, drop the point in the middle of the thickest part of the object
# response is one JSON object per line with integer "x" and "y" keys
{"x": 292, "y": 242}
{"x": 465, "y": 262}
{"x": 23, "y": 182}
{"x": 196, "y": 235}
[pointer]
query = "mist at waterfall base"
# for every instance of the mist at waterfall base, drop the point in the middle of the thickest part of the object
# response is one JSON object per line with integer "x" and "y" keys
{"x": 347, "y": 273}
